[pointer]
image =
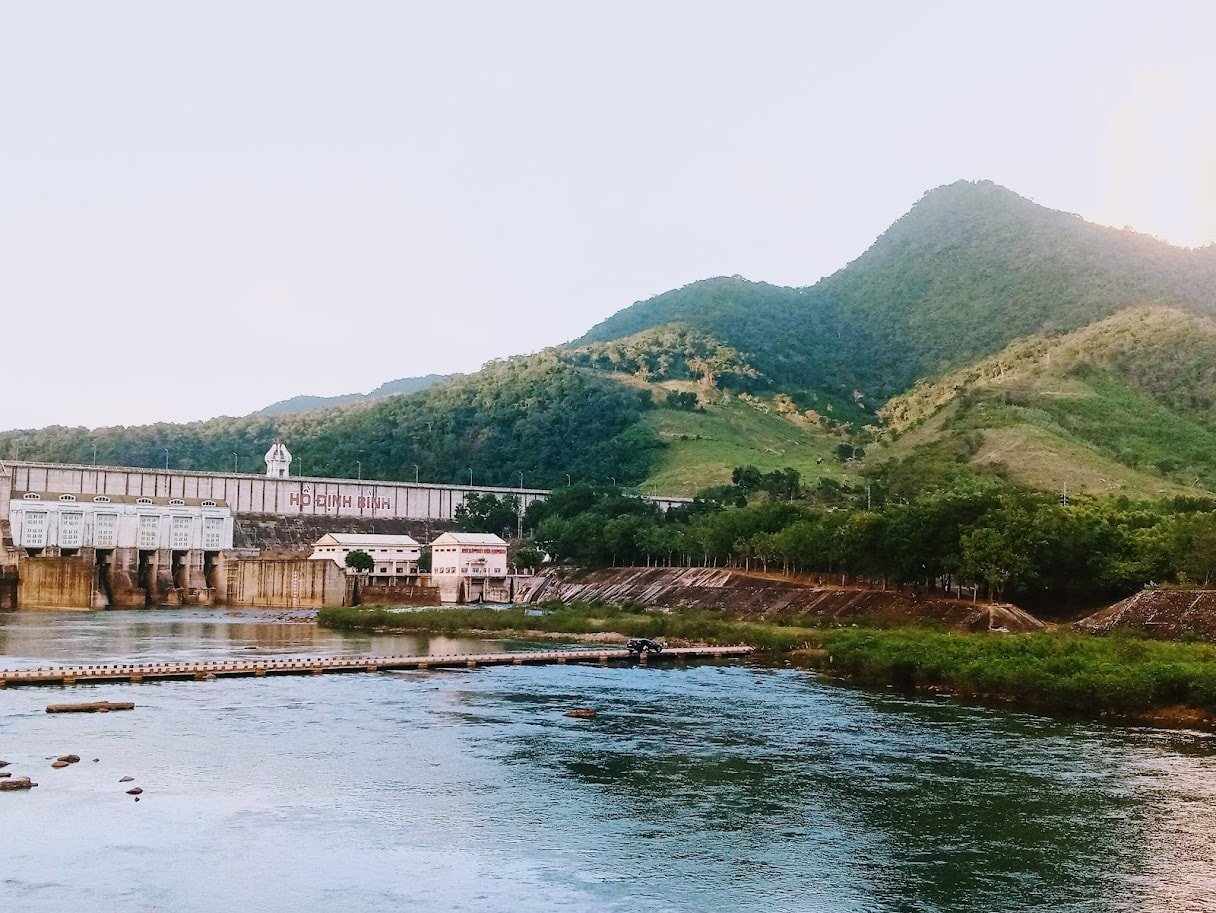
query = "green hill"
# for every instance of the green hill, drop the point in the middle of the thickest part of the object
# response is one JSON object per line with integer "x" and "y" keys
{"x": 1127, "y": 404}
{"x": 402, "y": 385}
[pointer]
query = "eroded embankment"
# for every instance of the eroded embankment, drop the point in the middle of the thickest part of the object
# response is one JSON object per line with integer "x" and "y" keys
{"x": 1160, "y": 614}
{"x": 756, "y": 597}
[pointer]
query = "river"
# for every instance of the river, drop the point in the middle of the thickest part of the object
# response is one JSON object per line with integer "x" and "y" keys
{"x": 727, "y": 787}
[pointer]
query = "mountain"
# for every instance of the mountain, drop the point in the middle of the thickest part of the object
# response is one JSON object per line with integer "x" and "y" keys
{"x": 391, "y": 388}
{"x": 969, "y": 269}
{"x": 980, "y": 333}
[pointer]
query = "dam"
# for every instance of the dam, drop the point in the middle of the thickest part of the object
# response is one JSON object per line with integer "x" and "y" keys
{"x": 79, "y": 536}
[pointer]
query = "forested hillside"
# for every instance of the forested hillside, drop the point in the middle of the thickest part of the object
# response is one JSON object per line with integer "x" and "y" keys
{"x": 534, "y": 414}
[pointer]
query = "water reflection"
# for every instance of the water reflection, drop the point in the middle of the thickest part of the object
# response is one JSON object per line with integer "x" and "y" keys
{"x": 44, "y": 638}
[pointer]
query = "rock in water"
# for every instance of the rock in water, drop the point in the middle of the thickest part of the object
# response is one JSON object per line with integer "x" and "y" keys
{"x": 69, "y": 758}
{"x": 16, "y": 783}
{"x": 5, "y": 774}
{"x": 581, "y": 713}
{"x": 134, "y": 791}
{"x": 5, "y": 763}
{"x": 90, "y": 707}
{"x": 126, "y": 779}
{"x": 59, "y": 764}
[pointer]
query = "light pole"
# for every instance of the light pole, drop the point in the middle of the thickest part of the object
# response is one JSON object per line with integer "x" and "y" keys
{"x": 415, "y": 473}
{"x": 568, "y": 482}
{"x": 94, "y": 454}
{"x": 519, "y": 510}
{"x": 166, "y": 459}
{"x": 234, "y": 469}
{"x": 470, "y": 478}
{"x": 359, "y": 464}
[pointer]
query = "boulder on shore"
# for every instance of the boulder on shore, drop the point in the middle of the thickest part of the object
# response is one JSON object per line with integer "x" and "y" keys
{"x": 16, "y": 783}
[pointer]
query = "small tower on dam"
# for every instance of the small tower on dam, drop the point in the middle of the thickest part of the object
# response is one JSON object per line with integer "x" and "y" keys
{"x": 278, "y": 461}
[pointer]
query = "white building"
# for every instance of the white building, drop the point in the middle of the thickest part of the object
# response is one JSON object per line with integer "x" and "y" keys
{"x": 468, "y": 555}
{"x": 68, "y": 522}
{"x": 394, "y": 556}
{"x": 278, "y": 461}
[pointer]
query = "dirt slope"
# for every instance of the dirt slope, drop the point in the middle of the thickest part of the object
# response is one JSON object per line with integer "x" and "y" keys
{"x": 745, "y": 596}
{"x": 1162, "y": 614}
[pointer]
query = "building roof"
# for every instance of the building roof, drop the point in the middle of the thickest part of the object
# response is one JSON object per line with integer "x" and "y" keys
{"x": 355, "y": 540}
{"x": 469, "y": 539}
{"x": 89, "y": 497}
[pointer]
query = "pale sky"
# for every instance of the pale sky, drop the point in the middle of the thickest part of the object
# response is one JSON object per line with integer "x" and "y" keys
{"x": 208, "y": 207}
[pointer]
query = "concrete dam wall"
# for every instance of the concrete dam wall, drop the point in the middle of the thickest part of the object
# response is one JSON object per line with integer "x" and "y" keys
{"x": 756, "y": 596}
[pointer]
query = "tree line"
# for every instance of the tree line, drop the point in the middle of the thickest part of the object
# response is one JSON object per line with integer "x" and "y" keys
{"x": 979, "y": 537}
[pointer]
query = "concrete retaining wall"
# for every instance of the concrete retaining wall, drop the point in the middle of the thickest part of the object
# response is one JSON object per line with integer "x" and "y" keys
{"x": 372, "y": 594}
{"x": 287, "y": 583}
{"x": 56, "y": 583}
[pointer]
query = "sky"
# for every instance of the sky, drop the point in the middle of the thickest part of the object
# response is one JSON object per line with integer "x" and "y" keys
{"x": 208, "y": 207}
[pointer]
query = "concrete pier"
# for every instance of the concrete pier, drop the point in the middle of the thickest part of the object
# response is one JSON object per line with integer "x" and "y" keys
{"x": 320, "y": 665}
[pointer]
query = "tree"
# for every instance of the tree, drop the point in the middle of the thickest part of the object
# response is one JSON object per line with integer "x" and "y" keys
{"x": 528, "y": 556}
{"x": 359, "y": 560}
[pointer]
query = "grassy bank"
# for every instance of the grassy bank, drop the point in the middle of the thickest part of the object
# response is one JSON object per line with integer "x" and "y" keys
{"x": 579, "y": 618}
{"x": 1054, "y": 669}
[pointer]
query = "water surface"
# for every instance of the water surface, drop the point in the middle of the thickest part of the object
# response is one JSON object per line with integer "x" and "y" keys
{"x": 712, "y": 787}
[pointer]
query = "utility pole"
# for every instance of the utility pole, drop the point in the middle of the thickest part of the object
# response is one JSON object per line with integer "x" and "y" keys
{"x": 1064, "y": 496}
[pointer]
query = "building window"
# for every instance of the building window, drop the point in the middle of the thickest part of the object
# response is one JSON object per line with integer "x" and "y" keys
{"x": 105, "y": 530}
{"x": 31, "y": 496}
{"x": 149, "y": 531}
{"x": 143, "y": 500}
{"x": 213, "y": 532}
{"x": 33, "y": 534}
{"x": 67, "y": 497}
{"x": 210, "y": 504}
{"x": 71, "y": 529}
{"x": 102, "y": 499}
{"x": 176, "y": 502}
{"x": 180, "y": 538}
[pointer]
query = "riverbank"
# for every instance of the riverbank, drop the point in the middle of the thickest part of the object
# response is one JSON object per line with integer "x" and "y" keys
{"x": 1057, "y": 670}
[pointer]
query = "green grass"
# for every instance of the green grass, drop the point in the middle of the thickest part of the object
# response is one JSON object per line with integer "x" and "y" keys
{"x": 577, "y": 618}
{"x": 704, "y": 446}
{"x": 1055, "y": 669}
